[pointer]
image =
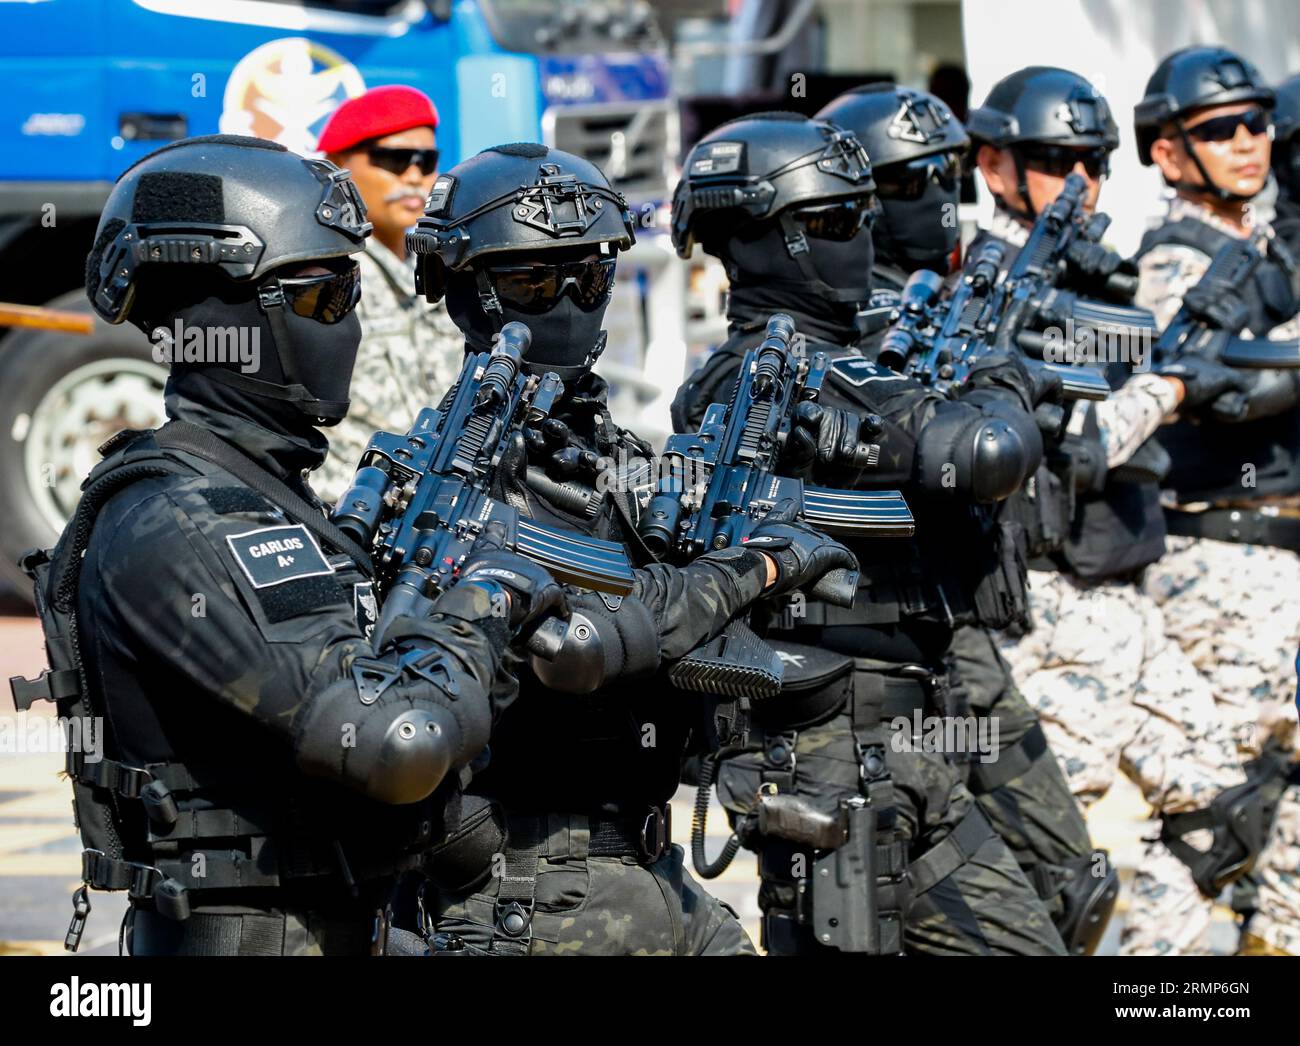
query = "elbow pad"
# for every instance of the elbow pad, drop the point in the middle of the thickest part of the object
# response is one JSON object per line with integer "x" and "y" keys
{"x": 985, "y": 454}
{"x": 601, "y": 645}
{"x": 396, "y": 726}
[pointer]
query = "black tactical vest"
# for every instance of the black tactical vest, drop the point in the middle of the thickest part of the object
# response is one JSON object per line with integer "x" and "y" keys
{"x": 1214, "y": 461}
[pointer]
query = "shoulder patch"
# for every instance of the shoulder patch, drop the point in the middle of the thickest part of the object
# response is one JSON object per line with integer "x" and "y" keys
{"x": 271, "y": 556}
{"x": 858, "y": 370}
{"x": 225, "y": 500}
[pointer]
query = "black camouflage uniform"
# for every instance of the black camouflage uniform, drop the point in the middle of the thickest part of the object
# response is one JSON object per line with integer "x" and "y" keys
{"x": 916, "y": 147}
{"x": 968, "y": 896}
{"x": 578, "y": 857}
{"x": 249, "y": 801}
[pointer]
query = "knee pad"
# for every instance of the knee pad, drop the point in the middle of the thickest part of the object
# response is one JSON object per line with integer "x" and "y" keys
{"x": 1239, "y": 818}
{"x": 1088, "y": 890}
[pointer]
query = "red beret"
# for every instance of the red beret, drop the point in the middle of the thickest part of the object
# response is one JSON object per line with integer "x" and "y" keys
{"x": 380, "y": 111}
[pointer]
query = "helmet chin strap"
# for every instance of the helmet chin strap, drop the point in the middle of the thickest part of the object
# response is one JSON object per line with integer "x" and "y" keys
{"x": 1030, "y": 213}
{"x": 796, "y": 246}
{"x": 1210, "y": 187}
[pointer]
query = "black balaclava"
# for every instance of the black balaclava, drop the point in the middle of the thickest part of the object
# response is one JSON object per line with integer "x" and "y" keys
{"x": 912, "y": 234}
{"x": 251, "y": 409}
{"x": 567, "y": 339}
{"x": 766, "y": 279}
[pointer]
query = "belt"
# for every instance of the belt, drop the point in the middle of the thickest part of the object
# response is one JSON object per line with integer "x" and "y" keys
{"x": 879, "y": 698}
{"x": 646, "y": 836}
{"x": 1241, "y": 526}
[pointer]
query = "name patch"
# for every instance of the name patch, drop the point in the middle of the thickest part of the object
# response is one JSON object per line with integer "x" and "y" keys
{"x": 858, "y": 370}
{"x": 273, "y": 555}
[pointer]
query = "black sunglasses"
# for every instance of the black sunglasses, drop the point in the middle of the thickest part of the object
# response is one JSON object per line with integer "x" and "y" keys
{"x": 398, "y": 159}
{"x": 536, "y": 288}
{"x": 1059, "y": 160}
{"x": 326, "y": 299}
{"x": 838, "y": 221}
{"x": 908, "y": 181}
{"x": 1224, "y": 128}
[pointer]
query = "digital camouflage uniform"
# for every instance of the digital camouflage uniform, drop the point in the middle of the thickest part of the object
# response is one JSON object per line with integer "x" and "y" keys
{"x": 1111, "y": 692}
{"x": 411, "y": 353}
{"x": 1235, "y": 610}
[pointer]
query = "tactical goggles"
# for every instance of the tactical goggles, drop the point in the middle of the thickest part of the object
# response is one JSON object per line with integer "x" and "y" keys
{"x": 536, "y": 288}
{"x": 841, "y": 220}
{"x": 326, "y": 299}
{"x": 1224, "y": 128}
{"x": 908, "y": 181}
{"x": 398, "y": 159}
{"x": 1059, "y": 160}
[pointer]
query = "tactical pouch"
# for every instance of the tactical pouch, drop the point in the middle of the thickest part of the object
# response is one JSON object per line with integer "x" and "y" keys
{"x": 1000, "y": 591}
{"x": 464, "y": 858}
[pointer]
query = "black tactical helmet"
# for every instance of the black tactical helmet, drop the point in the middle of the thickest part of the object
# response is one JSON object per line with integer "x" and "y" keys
{"x": 234, "y": 203}
{"x": 1190, "y": 79}
{"x": 896, "y": 124}
{"x": 527, "y": 204}
{"x": 1044, "y": 104}
{"x": 762, "y": 168}
{"x": 198, "y": 234}
{"x": 916, "y": 147}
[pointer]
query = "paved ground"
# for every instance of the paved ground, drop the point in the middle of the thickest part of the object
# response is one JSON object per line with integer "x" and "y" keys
{"x": 39, "y": 864}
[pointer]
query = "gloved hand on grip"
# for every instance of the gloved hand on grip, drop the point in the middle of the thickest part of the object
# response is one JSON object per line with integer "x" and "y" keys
{"x": 829, "y": 437}
{"x": 533, "y": 594}
{"x": 802, "y": 555}
{"x": 1007, "y": 377}
{"x": 1204, "y": 380}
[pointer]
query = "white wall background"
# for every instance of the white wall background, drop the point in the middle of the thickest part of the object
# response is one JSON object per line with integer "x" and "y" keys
{"x": 1117, "y": 44}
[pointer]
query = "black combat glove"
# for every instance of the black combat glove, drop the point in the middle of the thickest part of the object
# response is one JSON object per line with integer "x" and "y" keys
{"x": 1204, "y": 380}
{"x": 802, "y": 555}
{"x": 1095, "y": 271}
{"x": 829, "y": 437}
{"x": 1221, "y": 306}
{"x": 1007, "y": 377}
{"x": 534, "y": 594}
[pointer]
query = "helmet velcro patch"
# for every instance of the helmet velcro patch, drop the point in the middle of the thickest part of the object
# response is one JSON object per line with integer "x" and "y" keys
{"x": 178, "y": 196}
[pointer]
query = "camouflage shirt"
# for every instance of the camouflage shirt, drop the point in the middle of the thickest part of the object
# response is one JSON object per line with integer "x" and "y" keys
{"x": 411, "y": 353}
{"x": 1169, "y": 270}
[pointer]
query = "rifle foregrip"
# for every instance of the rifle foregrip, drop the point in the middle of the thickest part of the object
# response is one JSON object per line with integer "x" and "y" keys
{"x": 839, "y": 588}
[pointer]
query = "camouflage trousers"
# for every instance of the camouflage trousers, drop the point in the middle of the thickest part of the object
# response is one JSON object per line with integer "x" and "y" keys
{"x": 588, "y": 905}
{"x": 985, "y": 906}
{"x": 1235, "y": 610}
{"x": 1114, "y": 692}
{"x": 1026, "y": 798}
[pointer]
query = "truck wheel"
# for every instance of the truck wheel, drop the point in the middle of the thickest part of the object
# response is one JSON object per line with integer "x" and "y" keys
{"x": 65, "y": 394}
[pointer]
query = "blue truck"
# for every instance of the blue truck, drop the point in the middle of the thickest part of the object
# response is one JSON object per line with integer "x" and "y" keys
{"x": 89, "y": 86}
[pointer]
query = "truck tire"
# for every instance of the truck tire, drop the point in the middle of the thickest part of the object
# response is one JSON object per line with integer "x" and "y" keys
{"x": 64, "y": 395}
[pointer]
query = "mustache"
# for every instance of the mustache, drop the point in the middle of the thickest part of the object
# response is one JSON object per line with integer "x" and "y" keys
{"x": 402, "y": 194}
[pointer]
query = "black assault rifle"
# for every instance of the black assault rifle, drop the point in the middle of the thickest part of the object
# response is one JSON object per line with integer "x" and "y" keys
{"x": 419, "y": 501}
{"x": 716, "y": 485}
{"x": 939, "y": 340}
